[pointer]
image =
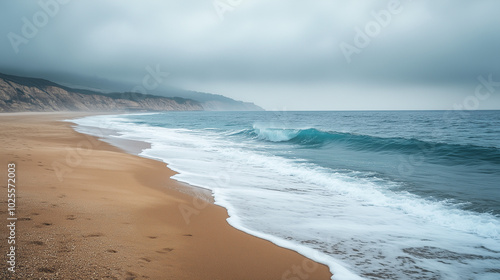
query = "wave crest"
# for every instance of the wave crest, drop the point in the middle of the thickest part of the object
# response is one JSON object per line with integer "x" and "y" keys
{"x": 315, "y": 137}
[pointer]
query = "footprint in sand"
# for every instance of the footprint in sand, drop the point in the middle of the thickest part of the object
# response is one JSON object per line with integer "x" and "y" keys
{"x": 47, "y": 269}
{"x": 97, "y": 234}
{"x": 131, "y": 276}
{"x": 165, "y": 250}
{"x": 71, "y": 217}
{"x": 111, "y": 251}
{"x": 39, "y": 243}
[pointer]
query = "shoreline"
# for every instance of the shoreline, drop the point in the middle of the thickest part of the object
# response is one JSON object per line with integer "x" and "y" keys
{"x": 89, "y": 209}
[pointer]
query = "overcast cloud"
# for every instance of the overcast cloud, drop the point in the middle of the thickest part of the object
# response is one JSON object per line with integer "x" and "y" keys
{"x": 281, "y": 54}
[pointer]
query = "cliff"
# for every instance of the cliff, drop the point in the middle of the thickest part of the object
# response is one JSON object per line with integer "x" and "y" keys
{"x": 31, "y": 94}
{"x": 209, "y": 101}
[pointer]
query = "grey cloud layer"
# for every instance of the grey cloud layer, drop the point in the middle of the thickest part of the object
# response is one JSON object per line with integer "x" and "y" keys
{"x": 260, "y": 42}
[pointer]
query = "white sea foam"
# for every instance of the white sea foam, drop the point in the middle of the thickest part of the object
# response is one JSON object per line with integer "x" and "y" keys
{"x": 275, "y": 134}
{"x": 349, "y": 222}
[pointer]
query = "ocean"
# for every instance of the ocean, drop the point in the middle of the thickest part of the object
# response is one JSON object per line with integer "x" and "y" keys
{"x": 373, "y": 195}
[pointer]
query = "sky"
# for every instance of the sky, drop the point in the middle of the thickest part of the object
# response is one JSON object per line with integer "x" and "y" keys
{"x": 281, "y": 54}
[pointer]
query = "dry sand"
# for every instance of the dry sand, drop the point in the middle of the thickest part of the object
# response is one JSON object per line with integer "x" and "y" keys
{"x": 87, "y": 210}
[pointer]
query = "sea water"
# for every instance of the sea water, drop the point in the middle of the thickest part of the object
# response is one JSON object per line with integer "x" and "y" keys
{"x": 373, "y": 195}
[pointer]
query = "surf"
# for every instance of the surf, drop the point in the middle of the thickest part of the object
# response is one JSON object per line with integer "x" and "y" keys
{"x": 452, "y": 153}
{"x": 361, "y": 223}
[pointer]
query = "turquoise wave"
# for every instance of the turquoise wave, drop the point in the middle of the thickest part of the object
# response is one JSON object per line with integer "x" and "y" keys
{"x": 314, "y": 138}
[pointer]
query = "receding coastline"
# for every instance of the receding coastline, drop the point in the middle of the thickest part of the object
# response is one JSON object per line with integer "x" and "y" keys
{"x": 118, "y": 216}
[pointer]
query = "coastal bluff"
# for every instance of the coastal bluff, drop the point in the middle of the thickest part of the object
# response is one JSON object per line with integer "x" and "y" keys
{"x": 21, "y": 94}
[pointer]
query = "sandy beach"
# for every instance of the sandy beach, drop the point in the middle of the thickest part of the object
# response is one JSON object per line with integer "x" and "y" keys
{"x": 87, "y": 210}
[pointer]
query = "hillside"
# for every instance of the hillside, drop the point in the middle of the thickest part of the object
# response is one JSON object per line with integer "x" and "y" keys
{"x": 209, "y": 101}
{"x": 31, "y": 94}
